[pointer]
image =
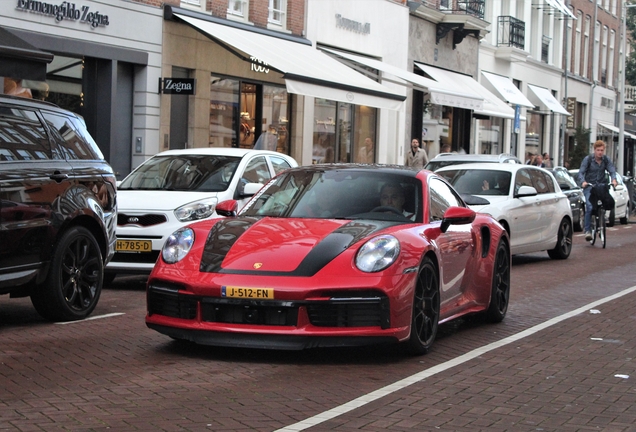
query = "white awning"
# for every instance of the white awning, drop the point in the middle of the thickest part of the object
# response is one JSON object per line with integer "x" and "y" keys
{"x": 561, "y": 7}
{"x": 306, "y": 70}
{"x": 452, "y": 80}
{"x": 616, "y": 130}
{"x": 452, "y": 95}
{"x": 542, "y": 96}
{"x": 507, "y": 90}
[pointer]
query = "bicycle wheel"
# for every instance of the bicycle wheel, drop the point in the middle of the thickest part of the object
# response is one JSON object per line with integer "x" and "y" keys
{"x": 594, "y": 228}
{"x": 601, "y": 228}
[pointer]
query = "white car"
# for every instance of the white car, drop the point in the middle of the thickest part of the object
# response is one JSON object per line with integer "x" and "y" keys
{"x": 525, "y": 199}
{"x": 620, "y": 195}
{"x": 178, "y": 187}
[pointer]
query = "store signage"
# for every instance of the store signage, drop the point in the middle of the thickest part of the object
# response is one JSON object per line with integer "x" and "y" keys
{"x": 184, "y": 86}
{"x": 352, "y": 25}
{"x": 259, "y": 65}
{"x": 572, "y": 110}
{"x": 65, "y": 10}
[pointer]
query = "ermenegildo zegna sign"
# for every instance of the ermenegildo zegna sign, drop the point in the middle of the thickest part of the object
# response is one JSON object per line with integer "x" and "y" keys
{"x": 65, "y": 10}
{"x": 184, "y": 86}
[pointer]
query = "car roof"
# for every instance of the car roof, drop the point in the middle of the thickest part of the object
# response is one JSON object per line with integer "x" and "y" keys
{"x": 488, "y": 166}
{"x": 222, "y": 151}
{"x": 503, "y": 157}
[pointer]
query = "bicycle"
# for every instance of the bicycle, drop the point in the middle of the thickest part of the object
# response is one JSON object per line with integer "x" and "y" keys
{"x": 597, "y": 221}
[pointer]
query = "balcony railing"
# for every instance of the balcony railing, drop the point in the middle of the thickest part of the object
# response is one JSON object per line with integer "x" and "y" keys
{"x": 511, "y": 32}
{"x": 630, "y": 94}
{"x": 464, "y": 7}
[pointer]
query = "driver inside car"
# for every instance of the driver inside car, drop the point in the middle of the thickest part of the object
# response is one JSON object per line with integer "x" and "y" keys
{"x": 393, "y": 195}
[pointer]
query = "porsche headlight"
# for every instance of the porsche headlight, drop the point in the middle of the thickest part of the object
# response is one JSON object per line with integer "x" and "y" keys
{"x": 177, "y": 245}
{"x": 378, "y": 253}
{"x": 196, "y": 210}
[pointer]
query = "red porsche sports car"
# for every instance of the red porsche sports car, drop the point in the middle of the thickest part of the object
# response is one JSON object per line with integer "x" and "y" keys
{"x": 332, "y": 255}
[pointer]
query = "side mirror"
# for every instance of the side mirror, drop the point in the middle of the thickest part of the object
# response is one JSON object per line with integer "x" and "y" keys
{"x": 250, "y": 189}
{"x": 457, "y": 216}
{"x": 525, "y": 191}
{"x": 227, "y": 208}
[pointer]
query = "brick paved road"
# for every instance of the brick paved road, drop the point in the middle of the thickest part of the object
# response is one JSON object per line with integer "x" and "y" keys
{"x": 115, "y": 374}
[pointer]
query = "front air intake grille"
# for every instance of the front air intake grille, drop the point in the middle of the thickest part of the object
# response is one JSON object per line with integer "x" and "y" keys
{"x": 136, "y": 257}
{"x": 371, "y": 312}
{"x": 142, "y": 220}
{"x": 171, "y": 303}
{"x": 253, "y": 313}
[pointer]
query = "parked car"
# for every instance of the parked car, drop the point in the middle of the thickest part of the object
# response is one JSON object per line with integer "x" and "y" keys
{"x": 575, "y": 194}
{"x": 525, "y": 199}
{"x": 446, "y": 159}
{"x": 177, "y": 187}
{"x": 332, "y": 255}
{"x": 58, "y": 207}
{"x": 620, "y": 194}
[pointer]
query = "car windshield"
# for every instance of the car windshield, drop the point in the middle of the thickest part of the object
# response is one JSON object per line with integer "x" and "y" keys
{"x": 564, "y": 179}
{"x": 194, "y": 173}
{"x": 340, "y": 194}
{"x": 478, "y": 181}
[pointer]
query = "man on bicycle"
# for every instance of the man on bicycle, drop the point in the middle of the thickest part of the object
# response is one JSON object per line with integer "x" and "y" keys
{"x": 592, "y": 172}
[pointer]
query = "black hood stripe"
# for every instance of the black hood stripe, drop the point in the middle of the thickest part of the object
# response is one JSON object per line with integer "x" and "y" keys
{"x": 226, "y": 232}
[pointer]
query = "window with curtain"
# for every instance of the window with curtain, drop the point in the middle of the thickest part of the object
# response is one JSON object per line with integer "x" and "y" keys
{"x": 277, "y": 13}
{"x": 238, "y": 9}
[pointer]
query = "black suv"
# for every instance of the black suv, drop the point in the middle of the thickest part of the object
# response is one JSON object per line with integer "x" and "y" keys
{"x": 58, "y": 209}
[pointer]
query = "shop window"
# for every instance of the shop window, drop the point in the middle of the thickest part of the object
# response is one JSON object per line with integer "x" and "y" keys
{"x": 534, "y": 132}
{"x": 490, "y": 136}
{"x": 343, "y": 132}
{"x": 248, "y": 115}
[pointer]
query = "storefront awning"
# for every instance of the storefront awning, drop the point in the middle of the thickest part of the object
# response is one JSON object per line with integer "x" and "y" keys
{"x": 559, "y": 6}
{"x": 451, "y": 80}
{"x": 306, "y": 70}
{"x": 507, "y": 90}
{"x": 542, "y": 96}
{"x": 20, "y": 59}
{"x": 438, "y": 91}
{"x": 616, "y": 130}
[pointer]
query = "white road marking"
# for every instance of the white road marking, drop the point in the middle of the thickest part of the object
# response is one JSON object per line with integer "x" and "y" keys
{"x": 413, "y": 379}
{"x": 93, "y": 318}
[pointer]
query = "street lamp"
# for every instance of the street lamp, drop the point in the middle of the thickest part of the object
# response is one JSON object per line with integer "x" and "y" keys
{"x": 621, "y": 118}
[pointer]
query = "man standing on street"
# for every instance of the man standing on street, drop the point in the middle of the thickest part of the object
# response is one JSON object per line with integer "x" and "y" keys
{"x": 417, "y": 157}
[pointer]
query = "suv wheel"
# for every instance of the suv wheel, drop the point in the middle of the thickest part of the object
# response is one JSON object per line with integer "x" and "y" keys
{"x": 74, "y": 281}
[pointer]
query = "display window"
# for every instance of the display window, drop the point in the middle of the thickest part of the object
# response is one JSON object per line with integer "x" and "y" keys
{"x": 343, "y": 132}
{"x": 248, "y": 115}
{"x": 490, "y": 136}
{"x": 534, "y": 132}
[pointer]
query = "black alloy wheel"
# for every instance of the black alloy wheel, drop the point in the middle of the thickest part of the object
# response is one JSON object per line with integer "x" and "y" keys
{"x": 500, "y": 295}
{"x": 564, "y": 241}
{"x": 74, "y": 282}
{"x": 426, "y": 309}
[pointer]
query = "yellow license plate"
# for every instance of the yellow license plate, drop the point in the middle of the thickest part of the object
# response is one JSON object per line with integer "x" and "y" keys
{"x": 247, "y": 293}
{"x": 133, "y": 246}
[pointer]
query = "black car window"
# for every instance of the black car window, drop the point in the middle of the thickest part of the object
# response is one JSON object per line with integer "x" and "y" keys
{"x": 279, "y": 164}
{"x": 70, "y": 137}
{"x": 523, "y": 178}
{"x": 257, "y": 171}
{"x": 541, "y": 181}
{"x": 22, "y": 135}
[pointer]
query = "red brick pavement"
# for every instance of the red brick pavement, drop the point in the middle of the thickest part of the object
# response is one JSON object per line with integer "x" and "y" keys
{"x": 578, "y": 375}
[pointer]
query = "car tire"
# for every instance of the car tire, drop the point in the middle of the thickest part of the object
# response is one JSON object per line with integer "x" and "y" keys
{"x": 625, "y": 218}
{"x": 578, "y": 225}
{"x": 500, "y": 294}
{"x": 564, "y": 241}
{"x": 109, "y": 277}
{"x": 426, "y": 309}
{"x": 74, "y": 282}
{"x": 612, "y": 218}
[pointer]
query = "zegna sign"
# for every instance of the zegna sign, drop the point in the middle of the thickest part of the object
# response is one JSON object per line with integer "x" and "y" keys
{"x": 65, "y": 10}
